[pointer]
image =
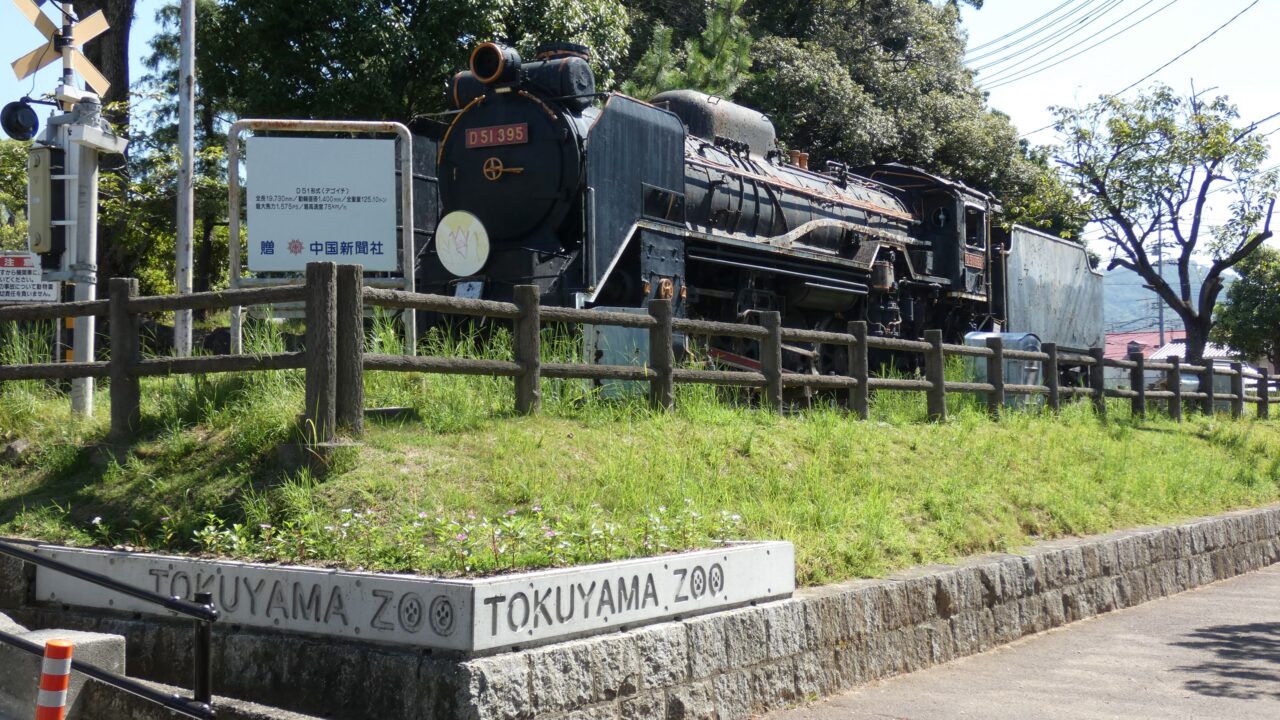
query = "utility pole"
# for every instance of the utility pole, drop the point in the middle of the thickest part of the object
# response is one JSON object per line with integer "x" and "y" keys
{"x": 186, "y": 174}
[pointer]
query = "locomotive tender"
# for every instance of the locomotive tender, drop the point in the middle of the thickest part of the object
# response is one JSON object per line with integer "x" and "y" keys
{"x": 687, "y": 197}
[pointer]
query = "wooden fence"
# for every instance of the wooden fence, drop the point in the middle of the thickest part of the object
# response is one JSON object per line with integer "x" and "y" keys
{"x": 335, "y": 360}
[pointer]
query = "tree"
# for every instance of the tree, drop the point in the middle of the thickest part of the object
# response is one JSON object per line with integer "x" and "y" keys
{"x": 13, "y": 194}
{"x": 871, "y": 81}
{"x": 1157, "y": 162}
{"x": 716, "y": 62}
{"x": 1249, "y": 321}
{"x": 379, "y": 60}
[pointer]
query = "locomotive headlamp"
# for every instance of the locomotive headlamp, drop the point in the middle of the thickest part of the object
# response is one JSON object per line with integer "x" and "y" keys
{"x": 19, "y": 121}
{"x": 491, "y": 63}
{"x": 462, "y": 243}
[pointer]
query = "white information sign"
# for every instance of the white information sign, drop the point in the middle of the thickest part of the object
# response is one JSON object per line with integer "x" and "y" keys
{"x": 315, "y": 199}
{"x": 20, "y": 280}
{"x": 472, "y": 616}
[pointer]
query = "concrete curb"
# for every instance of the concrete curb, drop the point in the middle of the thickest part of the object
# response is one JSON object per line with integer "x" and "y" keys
{"x": 728, "y": 665}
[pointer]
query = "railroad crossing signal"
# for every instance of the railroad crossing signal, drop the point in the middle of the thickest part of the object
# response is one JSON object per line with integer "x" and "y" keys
{"x": 69, "y": 40}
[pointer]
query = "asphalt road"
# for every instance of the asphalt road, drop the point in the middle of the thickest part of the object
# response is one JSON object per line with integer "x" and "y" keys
{"x": 1207, "y": 653}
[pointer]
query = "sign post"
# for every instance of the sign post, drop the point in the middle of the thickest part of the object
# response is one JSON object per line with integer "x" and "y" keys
{"x": 322, "y": 199}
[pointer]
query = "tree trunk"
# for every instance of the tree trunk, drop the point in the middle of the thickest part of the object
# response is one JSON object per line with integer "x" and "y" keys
{"x": 1197, "y": 338}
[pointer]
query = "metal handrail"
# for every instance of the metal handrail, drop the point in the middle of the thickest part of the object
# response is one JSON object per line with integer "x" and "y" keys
{"x": 190, "y": 708}
{"x": 202, "y": 611}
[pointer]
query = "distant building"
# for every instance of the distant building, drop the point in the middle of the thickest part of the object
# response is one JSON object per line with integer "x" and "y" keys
{"x": 1120, "y": 345}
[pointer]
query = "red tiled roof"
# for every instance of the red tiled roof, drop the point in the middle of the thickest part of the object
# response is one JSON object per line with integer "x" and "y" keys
{"x": 1118, "y": 343}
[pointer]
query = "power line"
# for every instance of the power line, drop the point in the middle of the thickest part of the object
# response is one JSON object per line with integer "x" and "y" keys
{"x": 1042, "y": 66}
{"x": 1176, "y": 58}
{"x": 1020, "y": 57}
{"x": 1050, "y": 26}
{"x": 1183, "y": 54}
{"x": 1015, "y": 31}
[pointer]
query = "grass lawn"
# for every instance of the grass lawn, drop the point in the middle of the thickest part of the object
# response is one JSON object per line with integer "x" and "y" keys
{"x": 465, "y": 487}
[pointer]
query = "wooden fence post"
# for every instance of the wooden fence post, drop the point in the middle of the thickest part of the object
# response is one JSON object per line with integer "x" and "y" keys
{"x": 1206, "y": 387}
{"x": 995, "y": 375}
{"x": 1237, "y": 390}
{"x": 1138, "y": 384}
{"x": 1052, "y": 376}
{"x": 935, "y": 371}
{"x": 528, "y": 349}
{"x": 126, "y": 398}
{"x": 322, "y": 356}
{"x": 1098, "y": 380}
{"x": 1264, "y": 394}
{"x": 1174, "y": 381}
{"x": 662, "y": 356}
{"x": 860, "y": 393}
{"x": 350, "y": 374}
{"x": 771, "y": 358}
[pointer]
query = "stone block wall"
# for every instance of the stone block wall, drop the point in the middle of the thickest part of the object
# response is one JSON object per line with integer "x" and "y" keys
{"x": 824, "y": 640}
{"x": 727, "y": 665}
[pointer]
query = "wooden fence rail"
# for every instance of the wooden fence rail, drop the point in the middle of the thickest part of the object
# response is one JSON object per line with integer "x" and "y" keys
{"x": 335, "y": 361}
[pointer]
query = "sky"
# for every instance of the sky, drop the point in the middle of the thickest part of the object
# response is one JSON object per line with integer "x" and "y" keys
{"x": 1137, "y": 38}
{"x": 1239, "y": 61}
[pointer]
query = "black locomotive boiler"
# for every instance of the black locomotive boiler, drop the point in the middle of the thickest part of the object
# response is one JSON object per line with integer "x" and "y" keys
{"x": 606, "y": 200}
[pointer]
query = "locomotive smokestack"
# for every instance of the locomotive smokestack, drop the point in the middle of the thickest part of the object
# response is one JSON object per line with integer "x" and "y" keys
{"x": 491, "y": 63}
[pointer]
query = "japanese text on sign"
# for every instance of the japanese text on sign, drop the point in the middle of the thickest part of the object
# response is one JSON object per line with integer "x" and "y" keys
{"x": 321, "y": 199}
{"x": 21, "y": 280}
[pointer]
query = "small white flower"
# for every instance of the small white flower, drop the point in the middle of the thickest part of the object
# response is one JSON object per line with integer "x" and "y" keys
{"x": 97, "y": 520}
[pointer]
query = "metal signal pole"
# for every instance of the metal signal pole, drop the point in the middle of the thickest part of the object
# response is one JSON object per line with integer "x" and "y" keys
{"x": 186, "y": 175}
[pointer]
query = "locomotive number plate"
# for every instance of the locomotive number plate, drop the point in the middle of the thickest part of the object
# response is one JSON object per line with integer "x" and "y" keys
{"x": 515, "y": 134}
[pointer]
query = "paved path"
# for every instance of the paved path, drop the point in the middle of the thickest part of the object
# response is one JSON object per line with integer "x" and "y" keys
{"x": 1207, "y": 653}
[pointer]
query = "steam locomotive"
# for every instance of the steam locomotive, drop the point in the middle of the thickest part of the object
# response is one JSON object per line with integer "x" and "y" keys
{"x": 687, "y": 197}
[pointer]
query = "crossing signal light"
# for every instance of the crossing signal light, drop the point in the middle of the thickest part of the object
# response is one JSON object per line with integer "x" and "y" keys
{"x": 19, "y": 121}
{"x": 55, "y": 42}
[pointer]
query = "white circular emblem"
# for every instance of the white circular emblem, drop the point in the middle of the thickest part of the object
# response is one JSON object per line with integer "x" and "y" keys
{"x": 462, "y": 243}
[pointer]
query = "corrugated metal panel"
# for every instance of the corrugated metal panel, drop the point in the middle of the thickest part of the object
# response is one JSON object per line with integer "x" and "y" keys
{"x": 1179, "y": 349}
{"x": 1052, "y": 291}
